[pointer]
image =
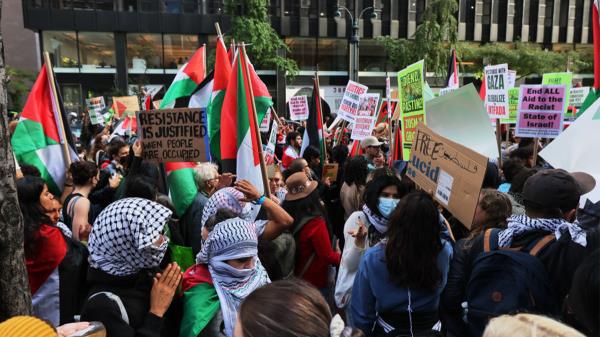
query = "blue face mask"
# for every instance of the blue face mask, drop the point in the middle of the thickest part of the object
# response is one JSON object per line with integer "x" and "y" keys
{"x": 386, "y": 206}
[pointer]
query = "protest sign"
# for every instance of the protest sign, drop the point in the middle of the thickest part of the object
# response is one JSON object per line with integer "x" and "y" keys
{"x": 461, "y": 117}
{"x": 511, "y": 78}
{"x": 578, "y": 95}
{"x": 560, "y": 79}
{"x": 126, "y": 105}
{"x": 382, "y": 116}
{"x": 369, "y": 104}
{"x": 96, "y": 106}
{"x": 496, "y": 94}
{"x": 269, "y": 152}
{"x": 445, "y": 91}
{"x": 363, "y": 127}
{"x": 576, "y": 149}
{"x": 541, "y": 109}
{"x": 172, "y": 135}
{"x": 298, "y": 108}
{"x": 451, "y": 172}
{"x": 330, "y": 171}
{"x": 513, "y": 106}
{"x": 351, "y": 101}
{"x": 266, "y": 121}
{"x": 412, "y": 102}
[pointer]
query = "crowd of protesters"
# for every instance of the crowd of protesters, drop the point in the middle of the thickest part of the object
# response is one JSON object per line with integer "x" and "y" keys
{"x": 363, "y": 254}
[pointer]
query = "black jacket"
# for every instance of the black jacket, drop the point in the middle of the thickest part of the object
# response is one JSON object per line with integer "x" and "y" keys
{"x": 560, "y": 258}
{"x": 134, "y": 292}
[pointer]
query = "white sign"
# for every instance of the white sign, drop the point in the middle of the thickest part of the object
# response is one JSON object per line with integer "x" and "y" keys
{"x": 447, "y": 90}
{"x": 496, "y": 93}
{"x": 512, "y": 78}
{"x": 298, "y": 108}
{"x": 95, "y": 107}
{"x": 270, "y": 149}
{"x": 351, "y": 102}
{"x": 369, "y": 104}
{"x": 266, "y": 121}
{"x": 362, "y": 127}
{"x": 578, "y": 95}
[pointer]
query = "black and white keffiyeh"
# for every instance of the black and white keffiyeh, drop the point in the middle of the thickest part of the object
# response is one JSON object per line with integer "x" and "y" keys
{"x": 122, "y": 241}
{"x": 521, "y": 224}
{"x": 380, "y": 223}
{"x": 228, "y": 198}
{"x": 232, "y": 239}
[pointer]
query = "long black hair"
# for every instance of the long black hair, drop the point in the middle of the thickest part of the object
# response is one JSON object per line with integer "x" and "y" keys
{"x": 414, "y": 243}
{"x": 374, "y": 188}
{"x": 29, "y": 189}
{"x": 356, "y": 171}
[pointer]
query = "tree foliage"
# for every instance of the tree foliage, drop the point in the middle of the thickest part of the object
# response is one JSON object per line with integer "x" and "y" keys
{"x": 251, "y": 25}
{"x": 526, "y": 58}
{"x": 19, "y": 84}
{"x": 432, "y": 40}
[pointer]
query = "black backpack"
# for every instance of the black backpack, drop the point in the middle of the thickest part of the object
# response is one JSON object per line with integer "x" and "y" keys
{"x": 508, "y": 280}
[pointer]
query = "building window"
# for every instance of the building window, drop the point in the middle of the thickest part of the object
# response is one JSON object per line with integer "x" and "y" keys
{"x": 62, "y": 47}
{"x": 371, "y": 56}
{"x": 178, "y": 49}
{"x": 303, "y": 51}
{"x": 144, "y": 53}
{"x": 97, "y": 52}
{"x": 333, "y": 54}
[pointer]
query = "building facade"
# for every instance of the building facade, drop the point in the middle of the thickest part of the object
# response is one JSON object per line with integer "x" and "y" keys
{"x": 100, "y": 47}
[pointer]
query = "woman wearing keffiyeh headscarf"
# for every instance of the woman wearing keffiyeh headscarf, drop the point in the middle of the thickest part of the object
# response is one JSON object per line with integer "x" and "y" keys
{"x": 228, "y": 267}
{"x": 126, "y": 248}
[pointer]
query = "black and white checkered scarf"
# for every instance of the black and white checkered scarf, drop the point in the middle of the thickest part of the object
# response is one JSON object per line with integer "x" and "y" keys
{"x": 122, "y": 241}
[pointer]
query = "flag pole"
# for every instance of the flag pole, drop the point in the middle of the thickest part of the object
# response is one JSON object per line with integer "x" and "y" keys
{"x": 388, "y": 92}
{"x": 218, "y": 29}
{"x": 56, "y": 103}
{"x": 321, "y": 114}
{"x": 254, "y": 120}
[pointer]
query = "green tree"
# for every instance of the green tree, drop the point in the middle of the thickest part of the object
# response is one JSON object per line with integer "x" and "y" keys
{"x": 251, "y": 25}
{"x": 432, "y": 40}
{"x": 19, "y": 84}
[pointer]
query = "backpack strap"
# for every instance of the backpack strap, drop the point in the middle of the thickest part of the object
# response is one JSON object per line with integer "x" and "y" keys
{"x": 541, "y": 244}
{"x": 71, "y": 206}
{"x": 117, "y": 300}
{"x": 490, "y": 239}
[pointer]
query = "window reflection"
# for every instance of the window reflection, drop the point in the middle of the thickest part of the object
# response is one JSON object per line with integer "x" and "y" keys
{"x": 97, "y": 52}
{"x": 178, "y": 49}
{"x": 372, "y": 56}
{"x": 62, "y": 47}
{"x": 303, "y": 51}
{"x": 333, "y": 54}
{"x": 144, "y": 51}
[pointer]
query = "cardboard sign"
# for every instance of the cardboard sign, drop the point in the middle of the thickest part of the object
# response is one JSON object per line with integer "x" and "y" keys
{"x": 96, "y": 106}
{"x": 412, "y": 102}
{"x": 172, "y": 135}
{"x": 269, "y": 152}
{"x": 330, "y": 171}
{"x": 351, "y": 101}
{"x": 298, "y": 108}
{"x": 363, "y": 127}
{"x": 452, "y": 173}
{"x": 126, "y": 105}
{"x": 541, "y": 110}
{"x": 560, "y": 79}
{"x": 266, "y": 121}
{"x": 496, "y": 91}
{"x": 578, "y": 95}
{"x": 513, "y": 106}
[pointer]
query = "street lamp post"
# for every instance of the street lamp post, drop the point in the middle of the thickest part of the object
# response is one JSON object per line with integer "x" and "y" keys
{"x": 355, "y": 38}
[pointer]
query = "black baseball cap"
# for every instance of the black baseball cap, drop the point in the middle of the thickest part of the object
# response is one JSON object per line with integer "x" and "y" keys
{"x": 556, "y": 189}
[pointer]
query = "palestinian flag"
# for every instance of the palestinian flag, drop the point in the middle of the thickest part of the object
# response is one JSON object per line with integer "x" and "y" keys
{"x": 180, "y": 177}
{"x": 382, "y": 117}
{"x": 592, "y": 96}
{"x": 313, "y": 133}
{"x": 126, "y": 127}
{"x": 239, "y": 150}
{"x": 213, "y": 112}
{"x": 187, "y": 79}
{"x": 39, "y": 138}
{"x": 452, "y": 77}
